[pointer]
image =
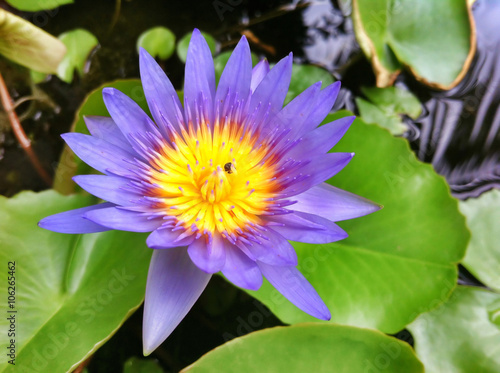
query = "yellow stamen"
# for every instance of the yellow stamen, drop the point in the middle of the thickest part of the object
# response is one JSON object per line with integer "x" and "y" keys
{"x": 214, "y": 179}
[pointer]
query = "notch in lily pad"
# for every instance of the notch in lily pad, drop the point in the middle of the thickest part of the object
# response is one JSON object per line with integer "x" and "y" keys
{"x": 386, "y": 106}
{"x": 182, "y": 46}
{"x": 79, "y": 43}
{"x": 159, "y": 42}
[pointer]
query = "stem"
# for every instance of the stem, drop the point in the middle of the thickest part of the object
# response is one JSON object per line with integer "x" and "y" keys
{"x": 19, "y": 132}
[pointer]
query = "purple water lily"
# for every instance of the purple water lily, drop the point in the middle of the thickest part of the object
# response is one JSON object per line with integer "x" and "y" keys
{"x": 222, "y": 183}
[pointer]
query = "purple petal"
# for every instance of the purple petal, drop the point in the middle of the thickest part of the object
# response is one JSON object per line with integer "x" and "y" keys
{"x": 323, "y": 106}
{"x": 320, "y": 168}
{"x": 258, "y": 73}
{"x": 127, "y": 115}
{"x": 271, "y": 92}
{"x": 333, "y": 203}
{"x": 199, "y": 80}
{"x": 110, "y": 188}
{"x": 272, "y": 248}
{"x": 116, "y": 218}
{"x": 100, "y": 154}
{"x": 241, "y": 270}
{"x": 322, "y": 139}
{"x": 162, "y": 98}
{"x": 236, "y": 76}
{"x": 174, "y": 284}
{"x": 73, "y": 221}
{"x": 105, "y": 128}
{"x": 307, "y": 228}
{"x": 294, "y": 286}
{"x": 297, "y": 112}
{"x": 165, "y": 238}
{"x": 208, "y": 256}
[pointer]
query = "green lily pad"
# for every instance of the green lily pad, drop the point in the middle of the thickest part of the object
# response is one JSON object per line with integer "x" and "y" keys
{"x": 483, "y": 254}
{"x": 80, "y": 44}
{"x": 394, "y": 100}
{"x": 463, "y": 335}
{"x": 386, "y": 107}
{"x": 28, "y": 45}
{"x": 36, "y": 5}
{"x": 303, "y": 76}
{"x": 158, "y": 41}
{"x": 137, "y": 365}
{"x": 311, "y": 348}
{"x": 434, "y": 39}
{"x": 396, "y": 263}
{"x": 373, "y": 114}
{"x": 182, "y": 46}
{"x": 72, "y": 292}
{"x": 69, "y": 164}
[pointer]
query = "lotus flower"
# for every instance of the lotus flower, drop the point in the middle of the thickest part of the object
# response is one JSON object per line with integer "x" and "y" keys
{"x": 222, "y": 183}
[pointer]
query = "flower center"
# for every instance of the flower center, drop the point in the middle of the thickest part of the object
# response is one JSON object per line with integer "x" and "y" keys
{"x": 214, "y": 179}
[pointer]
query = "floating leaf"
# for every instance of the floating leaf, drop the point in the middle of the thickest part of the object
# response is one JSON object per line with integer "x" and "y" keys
{"x": 182, "y": 46}
{"x": 72, "y": 291}
{"x": 397, "y": 262}
{"x": 463, "y": 335}
{"x": 79, "y": 43}
{"x": 386, "y": 107}
{"x": 36, "y": 5}
{"x": 69, "y": 164}
{"x": 28, "y": 45}
{"x": 311, "y": 348}
{"x": 434, "y": 39}
{"x": 483, "y": 254}
{"x": 136, "y": 365}
{"x": 158, "y": 41}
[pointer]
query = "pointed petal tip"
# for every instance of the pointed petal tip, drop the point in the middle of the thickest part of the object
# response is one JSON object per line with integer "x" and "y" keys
{"x": 327, "y": 316}
{"x": 108, "y": 91}
{"x": 42, "y": 223}
{"x": 148, "y": 343}
{"x": 145, "y": 57}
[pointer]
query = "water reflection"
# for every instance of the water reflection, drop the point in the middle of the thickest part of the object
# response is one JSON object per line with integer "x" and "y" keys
{"x": 459, "y": 136}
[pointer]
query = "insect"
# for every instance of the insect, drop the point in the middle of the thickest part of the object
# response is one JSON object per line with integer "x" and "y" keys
{"x": 228, "y": 167}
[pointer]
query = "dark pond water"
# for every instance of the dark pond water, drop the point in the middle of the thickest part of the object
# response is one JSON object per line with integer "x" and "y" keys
{"x": 458, "y": 132}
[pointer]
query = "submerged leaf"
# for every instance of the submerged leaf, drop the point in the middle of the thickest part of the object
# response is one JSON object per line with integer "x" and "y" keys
{"x": 386, "y": 107}
{"x": 137, "y": 365}
{"x": 28, "y": 45}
